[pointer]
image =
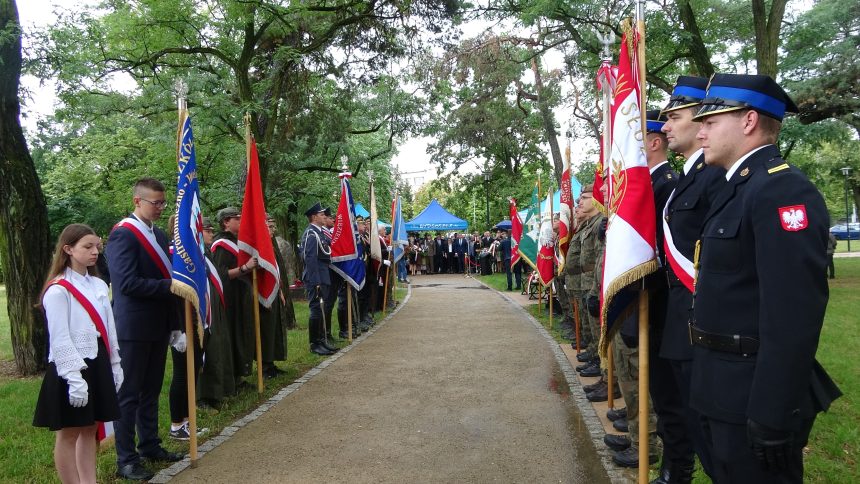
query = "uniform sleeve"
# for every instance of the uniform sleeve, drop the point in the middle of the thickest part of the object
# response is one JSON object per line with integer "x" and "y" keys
{"x": 793, "y": 295}
{"x": 123, "y": 260}
{"x": 58, "y": 312}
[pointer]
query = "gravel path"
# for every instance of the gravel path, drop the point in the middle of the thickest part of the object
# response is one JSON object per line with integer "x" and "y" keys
{"x": 456, "y": 387}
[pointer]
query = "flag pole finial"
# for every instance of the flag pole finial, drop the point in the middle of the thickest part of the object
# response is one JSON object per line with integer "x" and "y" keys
{"x": 606, "y": 40}
{"x": 180, "y": 88}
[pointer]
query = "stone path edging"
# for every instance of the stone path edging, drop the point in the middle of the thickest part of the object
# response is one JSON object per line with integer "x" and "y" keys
{"x": 165, "y": 475}
{"x": 586, "y": 410}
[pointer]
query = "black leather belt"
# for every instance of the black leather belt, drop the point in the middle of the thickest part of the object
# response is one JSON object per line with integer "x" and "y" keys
{"x": 729, "y": 343}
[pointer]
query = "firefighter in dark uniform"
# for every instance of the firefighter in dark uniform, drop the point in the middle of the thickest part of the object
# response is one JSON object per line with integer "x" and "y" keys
{"x": 761, "y": 291}
{"x": 316, "y": 253}
{"x": 682, "y": 218}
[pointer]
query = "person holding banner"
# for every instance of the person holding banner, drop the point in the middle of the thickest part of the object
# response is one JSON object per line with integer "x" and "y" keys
{"x": 316, "y": 254}
{"x": 681, "y": 218}
{"x": 237, "y": 290}
{"x": 84, "y": 371}
{"x": 148, "y": 320}
{"x": 760, "y": 292}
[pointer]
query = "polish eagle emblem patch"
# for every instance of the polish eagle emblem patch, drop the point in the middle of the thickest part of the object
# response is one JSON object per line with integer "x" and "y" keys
{"x": 793, "y": 218}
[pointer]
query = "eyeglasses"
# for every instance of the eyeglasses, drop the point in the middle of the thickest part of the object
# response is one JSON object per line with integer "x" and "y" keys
{"x": 156, "y": 203}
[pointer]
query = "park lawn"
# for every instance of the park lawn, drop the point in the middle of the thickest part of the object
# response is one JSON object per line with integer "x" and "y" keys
{"x": 26, "y": 452}
{"x": 834, "y": 445}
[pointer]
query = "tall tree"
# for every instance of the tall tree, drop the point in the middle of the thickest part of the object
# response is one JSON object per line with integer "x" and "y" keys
{"x": 25, "y": 246}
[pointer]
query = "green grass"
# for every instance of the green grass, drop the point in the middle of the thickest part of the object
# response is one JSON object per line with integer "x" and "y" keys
{"x": 842, "y": 246}
{"x": 26, "y": 451}
{"x": 834, "y": 445}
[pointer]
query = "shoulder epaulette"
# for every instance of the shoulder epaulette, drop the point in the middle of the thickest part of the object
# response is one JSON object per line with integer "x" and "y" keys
{"x": 775, "y": 165}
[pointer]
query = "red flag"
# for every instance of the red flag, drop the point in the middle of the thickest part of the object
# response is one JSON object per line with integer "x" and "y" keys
{"x": 254, "y": 237}
{"x": 545, "y": 263}
{"x": 516, "y": 232}
{"x": 565, "y": 219}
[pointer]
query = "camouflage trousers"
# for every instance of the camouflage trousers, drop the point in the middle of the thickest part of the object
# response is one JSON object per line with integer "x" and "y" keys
{"x": 626, "y": 370}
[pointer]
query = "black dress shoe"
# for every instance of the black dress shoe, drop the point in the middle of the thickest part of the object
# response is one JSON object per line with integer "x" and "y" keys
{"x": 134, "y": 472}
{"x": 320, "y": 350}
{"x": 621, "y": 425}
{"x": 616, "y": 442}
{"x": 675, "y": 473}
{"x": 329, "y": 346}
{"x": 163, "y": 455}
{"x": 593, "y": 370}
{"x": 614, "y": 414}
{"x": 343, "y": 335}
{"x": 585, "y": 365}
{"x": 664, "y": 477}
{"x": 629, "y": 457}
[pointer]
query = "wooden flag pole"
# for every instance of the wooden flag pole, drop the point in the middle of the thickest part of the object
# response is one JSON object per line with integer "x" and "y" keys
{"x": 256, "y": 305}
{"x": 349, "y": 310}
{"x": 644, "y": 356}
{"x": 190, "y": 378}
{"x": 575, "y": 304}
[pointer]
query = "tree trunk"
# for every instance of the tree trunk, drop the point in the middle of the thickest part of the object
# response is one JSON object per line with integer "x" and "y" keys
{"x": 700, "y": 56}
{"x": 25, "y": 246}
{"x": 767, "y": 25}
{"x": 548, "y": 123}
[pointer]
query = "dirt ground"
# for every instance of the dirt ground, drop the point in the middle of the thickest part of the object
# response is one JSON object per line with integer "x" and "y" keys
{"x": 456, "y": 387}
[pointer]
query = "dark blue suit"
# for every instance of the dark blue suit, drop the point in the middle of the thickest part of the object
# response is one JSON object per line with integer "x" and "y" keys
{"x": 145, "y": 311}
{"x": 316, "y": 253}
{"x": 505, "y": 247}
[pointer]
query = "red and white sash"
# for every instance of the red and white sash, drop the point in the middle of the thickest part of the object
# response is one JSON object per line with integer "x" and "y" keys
{"x": 227, "y": 245}
{"x": 147, "y": 239}
{"x": 215, "y": 279}
{"x": 681, "y": 266}
{"x": 105, "y": 429}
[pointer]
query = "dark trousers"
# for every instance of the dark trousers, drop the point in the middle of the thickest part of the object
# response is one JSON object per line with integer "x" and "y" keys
{"x": 342, "y": 300}
{"x": 683, "y": 370}
{"x": 831, "y": 269}
{"x": 734, "y": 462}
{"x": 438, "y": 263}
{"x": 316, "y": 332}
{"x": 178, "y": 396}
{"x": 143, "y": 367}
{"x": 517, "y": 269}
{"x": 506, "y": 266}
{"x": 334, "y": 291}
{"x": 669, "y": 407}
{"x": 364, "y": 297}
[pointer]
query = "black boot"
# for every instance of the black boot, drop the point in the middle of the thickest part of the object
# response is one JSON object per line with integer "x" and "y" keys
{"x": 674, "y": 473}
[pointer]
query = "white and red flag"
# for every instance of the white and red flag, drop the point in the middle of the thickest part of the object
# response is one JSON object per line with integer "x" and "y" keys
{"x": 565, "y": 213}
{"x": 631, "y": 232}
{"x": 516, "y": 232}
{"x": 607, "y": 78}
{"x": 254, "y": 237}
{"x": 545, "y": 262}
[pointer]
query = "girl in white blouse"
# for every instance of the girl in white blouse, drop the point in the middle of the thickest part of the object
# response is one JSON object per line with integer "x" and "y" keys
{"x": 79, "y": 389}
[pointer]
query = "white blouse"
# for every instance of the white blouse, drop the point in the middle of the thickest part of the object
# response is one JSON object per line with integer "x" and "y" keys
{"x": 71, "y": 331}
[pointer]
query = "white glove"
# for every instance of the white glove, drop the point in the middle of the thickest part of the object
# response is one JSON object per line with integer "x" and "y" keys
{"x": 387, "y": 262}
{"x": 118, "y": 377}
{"x": 177, "y": 341}
{"x": 78, "y": 394}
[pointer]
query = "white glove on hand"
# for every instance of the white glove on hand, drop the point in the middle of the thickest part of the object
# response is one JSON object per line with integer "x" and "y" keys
{"x": 78, "y": 390}
{"x": 118, "y": 377}
{"x": 177, "y": 341}
{"x": 387, "y": 262}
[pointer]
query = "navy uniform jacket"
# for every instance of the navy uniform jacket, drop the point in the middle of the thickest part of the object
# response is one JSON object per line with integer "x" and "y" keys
{"x": 143, "y": 306}
{"x": 663, "y": 181}
{"x": 762, "y": 275}
{"x": 505, "y": 247}
{"x": 316, "y": 253}
{"x": 686, "y": 212}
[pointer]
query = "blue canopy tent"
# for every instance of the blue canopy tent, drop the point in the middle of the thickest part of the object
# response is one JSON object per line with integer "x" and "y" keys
{"x": 435, "y": 217}
{"x": 503, "y": 225}
{"x": 361, "y": 211}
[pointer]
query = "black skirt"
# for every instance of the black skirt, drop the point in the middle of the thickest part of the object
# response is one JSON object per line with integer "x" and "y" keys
{"x": 53, "y": 409}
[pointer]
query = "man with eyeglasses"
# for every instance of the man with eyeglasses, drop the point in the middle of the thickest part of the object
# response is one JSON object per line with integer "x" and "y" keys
{"x": 147, "y": 321}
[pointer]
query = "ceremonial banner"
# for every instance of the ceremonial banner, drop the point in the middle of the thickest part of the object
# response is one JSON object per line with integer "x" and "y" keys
{"x": 375, "y": 246}
{"x": 399, "y": 240}
{"x": 254, "y": 237}
{"x": 189, "y": 269}
{"x": 631, "y": 232}
{"x": 529, "y": 244}
{"x": 346, "y": 251}
{"x": 516, "y": 233}
{"x": 546, "y": 241}
{"x": 565, "y": 214}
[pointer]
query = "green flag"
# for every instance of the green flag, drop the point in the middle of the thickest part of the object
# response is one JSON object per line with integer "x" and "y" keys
{"x": 529, "y": 245}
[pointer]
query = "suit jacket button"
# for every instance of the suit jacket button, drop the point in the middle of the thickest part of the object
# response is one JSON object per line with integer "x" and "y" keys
{"x": 720, "y": 231}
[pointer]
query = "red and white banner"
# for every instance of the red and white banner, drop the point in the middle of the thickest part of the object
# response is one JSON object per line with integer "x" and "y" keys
{"x": 546, "y": 244}
{"x": 516, "y": 233}
{"x": 565, "y": 214}
{"x": 254, "y": 237}
{"x": 631, "y": 232}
